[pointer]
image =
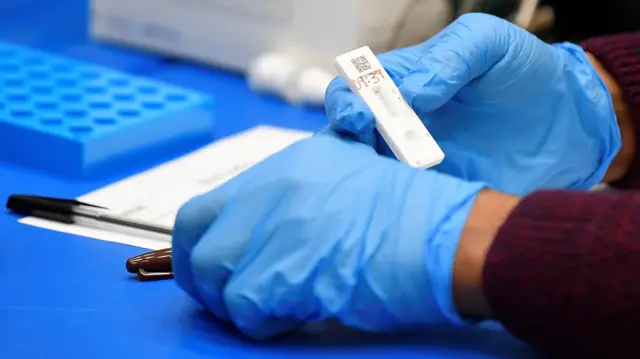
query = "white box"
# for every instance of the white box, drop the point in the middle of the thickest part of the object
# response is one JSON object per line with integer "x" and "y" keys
{"x": 233, "y": 33}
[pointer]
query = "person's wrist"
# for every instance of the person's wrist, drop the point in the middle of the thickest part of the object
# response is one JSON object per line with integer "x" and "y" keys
{"x": 622, "y": 162}
{"x": 490, "y": 210}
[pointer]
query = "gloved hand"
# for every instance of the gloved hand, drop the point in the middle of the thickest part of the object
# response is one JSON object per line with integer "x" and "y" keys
{"x": 325, "y": 229}
{"x": 505, "y": 107}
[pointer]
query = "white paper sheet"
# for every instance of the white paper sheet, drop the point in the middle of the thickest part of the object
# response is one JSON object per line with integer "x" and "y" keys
{"x": 156, "y": 195}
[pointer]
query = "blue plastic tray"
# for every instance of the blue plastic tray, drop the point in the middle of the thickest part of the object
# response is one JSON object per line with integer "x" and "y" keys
{"x": 77, "y": 119}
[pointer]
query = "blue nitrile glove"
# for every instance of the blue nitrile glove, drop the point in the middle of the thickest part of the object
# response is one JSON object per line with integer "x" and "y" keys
{"x": 325, "y": 229}
{"x": 505, "y": 107}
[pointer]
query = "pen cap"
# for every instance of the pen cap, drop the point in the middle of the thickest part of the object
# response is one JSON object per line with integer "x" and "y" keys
{"x": 28, "y": 205}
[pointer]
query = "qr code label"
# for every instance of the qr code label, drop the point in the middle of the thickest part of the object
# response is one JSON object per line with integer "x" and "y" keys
{"x": 361, "y": 64}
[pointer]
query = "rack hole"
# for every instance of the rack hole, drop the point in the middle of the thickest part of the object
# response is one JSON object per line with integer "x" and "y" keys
{"x": 41, "y": 89}
{"x": 38, "y": 75}
{"x": 128, "y": 113}
{"x": 9, "y": 67}
{"x": 176, "y": 97}
{"x": 105, "y": 120}
{"x": 100, "y": 105}
{"x": 118, "y": 82}
{"x": 22, "y": 114}
{"x": 14, "y": 81}
{"x": 50, "y": 121}
{"x": 147, "y": 89}
{"x": 66, "y": 82}
{"x": 71, "y": 97}
{"x": 152, "y": 105}
{"x": 47, "y": 105}
{"x": 90, "y": 74}
{"x": 95, "y": 89}
{"x": 17, "y": 97}
{"x": 81, "y": 129}
{"x": 76, "y": 113}
{"x": 123, "y": 97}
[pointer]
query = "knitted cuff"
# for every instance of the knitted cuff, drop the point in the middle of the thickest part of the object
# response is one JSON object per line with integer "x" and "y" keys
{"x": 556, "y": 274}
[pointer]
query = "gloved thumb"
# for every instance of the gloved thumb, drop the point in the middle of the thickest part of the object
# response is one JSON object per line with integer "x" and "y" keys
{"x": 462, "y": 52}
{"x": 348, "y": 114}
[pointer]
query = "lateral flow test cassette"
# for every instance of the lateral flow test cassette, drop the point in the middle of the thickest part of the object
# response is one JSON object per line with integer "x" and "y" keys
{"x": 396, "y": 121}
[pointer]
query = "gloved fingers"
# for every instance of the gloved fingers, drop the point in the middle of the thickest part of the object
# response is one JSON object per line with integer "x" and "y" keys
{"x": 462, "y": 52}
{"x": 251, "y": 319}
{"x": 380, "y": 146}
{"x": 275, "y": 287}
{"x": 329, "y": 131}
{"x": 215, "y": 258}
{"x": 192, "y": 221}
{"x": 263, "y": 296}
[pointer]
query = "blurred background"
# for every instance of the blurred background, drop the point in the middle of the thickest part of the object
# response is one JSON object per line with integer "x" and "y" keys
{"x": 572, "y": 20}
{"x": 284, "y": 47}
{"x": 577, "y": 20}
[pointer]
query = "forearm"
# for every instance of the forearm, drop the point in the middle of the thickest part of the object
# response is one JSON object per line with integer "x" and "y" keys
{"x": 624, "y": 159}
{"x": 491, "y": 209}
{"x": 559, "y": 272}
{"x": 617, "y": 60}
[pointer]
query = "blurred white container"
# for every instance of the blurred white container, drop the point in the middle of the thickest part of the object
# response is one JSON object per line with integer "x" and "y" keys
{"x": 285, "y": 46}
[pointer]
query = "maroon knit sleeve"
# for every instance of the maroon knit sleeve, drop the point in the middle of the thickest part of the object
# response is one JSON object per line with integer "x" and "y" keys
{"x": 620, "y": 55}
{"x": 563, "y": 274}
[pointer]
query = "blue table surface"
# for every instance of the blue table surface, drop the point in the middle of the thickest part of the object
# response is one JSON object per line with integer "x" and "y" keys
{"x": 63, "y": 296}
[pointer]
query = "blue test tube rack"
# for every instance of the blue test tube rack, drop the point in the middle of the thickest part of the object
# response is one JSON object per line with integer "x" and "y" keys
{"x": 80, "y": 120}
